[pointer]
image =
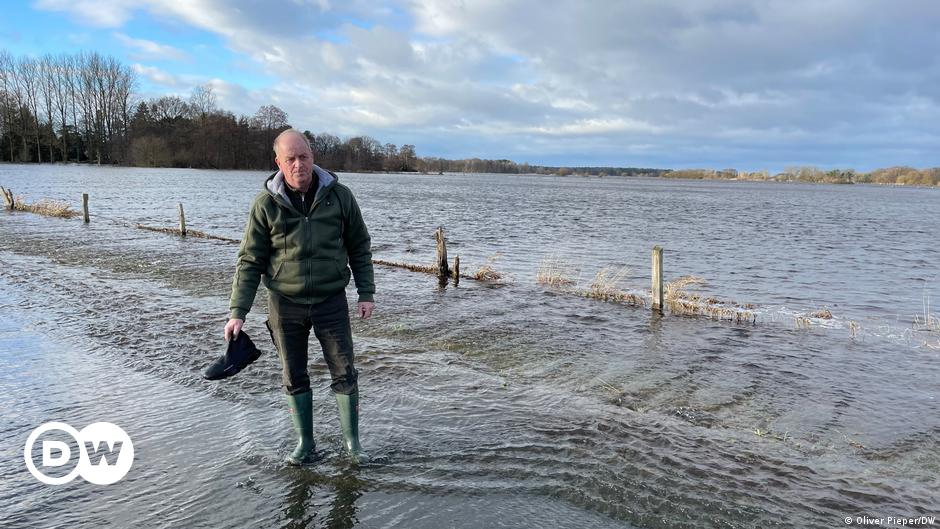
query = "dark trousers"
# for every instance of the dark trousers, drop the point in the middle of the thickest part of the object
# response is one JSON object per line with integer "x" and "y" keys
{"x": 289, "y": 324}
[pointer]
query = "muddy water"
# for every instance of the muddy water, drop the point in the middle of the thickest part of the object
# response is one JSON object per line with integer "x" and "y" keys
{"x": 506, "y": 405}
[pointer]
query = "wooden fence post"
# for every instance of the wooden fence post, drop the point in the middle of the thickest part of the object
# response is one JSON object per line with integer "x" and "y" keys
{"x": 456, "y": 271}
{"x": 658, "y": 278}
{"x": 182, "y": 221}
{"x": 85, "y": 207}
{"x": 442, "y": 268}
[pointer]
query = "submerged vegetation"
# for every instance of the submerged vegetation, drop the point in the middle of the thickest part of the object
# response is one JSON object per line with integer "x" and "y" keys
{"x": 680, "y": 300}
{"x": 554, "y": 272}
{"x": 608, "y": 286}
{"x": 927, "y": 320}
{"x": 48, "y": 208}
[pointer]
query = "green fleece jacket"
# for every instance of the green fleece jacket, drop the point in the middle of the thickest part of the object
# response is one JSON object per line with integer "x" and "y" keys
{"x": 305, "y": 258}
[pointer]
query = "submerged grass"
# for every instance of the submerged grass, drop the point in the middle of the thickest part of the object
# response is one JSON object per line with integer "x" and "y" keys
{"x": 427, "y": 269}
{"x": 46, "y": 207}
{"x": 680, "y": 300}
{"x": 554, "y": 272}
{"x": 189, "y": 233}
{"x": 607, "y": 286}
{"x": 927, "y": 320}
{"x": 487, "y": 272}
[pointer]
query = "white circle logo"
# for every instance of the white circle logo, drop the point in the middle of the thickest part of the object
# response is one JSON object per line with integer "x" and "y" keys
{"x": 105, "y": 453}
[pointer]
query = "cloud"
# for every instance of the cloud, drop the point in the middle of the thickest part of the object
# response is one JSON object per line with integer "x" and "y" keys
{"x": 157, "y": 76}
{"x": 150, "y": 50}
{"x": 100, "y": 13}
{"x": 728, "y": 82}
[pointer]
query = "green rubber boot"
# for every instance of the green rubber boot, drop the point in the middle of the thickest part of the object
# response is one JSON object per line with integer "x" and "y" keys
{"x": 349, "y": 421}
{"x": 301, "y": 414}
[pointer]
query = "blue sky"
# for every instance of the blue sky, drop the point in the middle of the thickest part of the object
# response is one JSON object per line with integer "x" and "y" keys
{"x": 713, "y": 83}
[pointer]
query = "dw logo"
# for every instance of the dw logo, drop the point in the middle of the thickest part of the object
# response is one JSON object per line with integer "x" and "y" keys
{"x": 105, "y": 453}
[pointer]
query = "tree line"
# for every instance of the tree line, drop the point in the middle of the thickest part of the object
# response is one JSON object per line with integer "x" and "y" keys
{"x": 890, "y": 175}
{"x": 85, "y": 108}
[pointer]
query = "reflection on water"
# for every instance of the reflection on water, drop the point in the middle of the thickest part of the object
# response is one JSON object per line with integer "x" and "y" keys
{"x": 506, "y": 406}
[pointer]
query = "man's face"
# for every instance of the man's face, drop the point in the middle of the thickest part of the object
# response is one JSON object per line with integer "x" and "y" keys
{"x": 295, "y": 160}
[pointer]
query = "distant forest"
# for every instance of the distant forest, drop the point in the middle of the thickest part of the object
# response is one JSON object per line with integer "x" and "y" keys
{"x": 83, "y": 108}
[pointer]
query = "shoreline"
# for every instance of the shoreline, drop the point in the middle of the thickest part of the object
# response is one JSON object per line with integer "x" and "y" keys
{"x": 661, "y": 176}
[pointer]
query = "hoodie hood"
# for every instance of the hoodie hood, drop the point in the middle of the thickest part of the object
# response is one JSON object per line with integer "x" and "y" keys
{"x": 278, "y": 189}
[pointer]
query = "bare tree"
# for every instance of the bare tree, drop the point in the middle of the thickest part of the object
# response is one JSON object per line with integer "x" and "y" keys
{"x": 202, "y": 101}
{"x": 29, "y": 84}
{"x": 9, "y": 88}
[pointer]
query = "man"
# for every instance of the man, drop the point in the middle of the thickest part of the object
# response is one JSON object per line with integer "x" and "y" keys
{"x": 302, "y": 230}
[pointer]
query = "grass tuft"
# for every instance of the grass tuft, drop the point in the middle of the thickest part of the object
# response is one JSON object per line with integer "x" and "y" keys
{"x": 928, "y": 320}
{"x": 607, "y": 286}
{"x": 487, "y": 273}
{"x": 189, "y": 233}
{"x": 554, "y": 272}
{"x": 680, "y": 300}
{"x": 46, "y": 207}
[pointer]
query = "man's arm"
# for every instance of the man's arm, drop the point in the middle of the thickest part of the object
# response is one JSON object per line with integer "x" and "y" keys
{"x": 252, "y": 261}
{"x": 359, "y": 248}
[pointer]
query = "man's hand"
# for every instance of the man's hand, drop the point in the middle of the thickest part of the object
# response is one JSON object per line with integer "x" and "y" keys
{"x": 365, "y": 309}
{"x": 233, "y": 327}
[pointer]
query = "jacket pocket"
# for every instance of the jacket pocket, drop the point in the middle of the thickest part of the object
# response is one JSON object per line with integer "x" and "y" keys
{"x": 276, "y": 270}
{"x": 288, "y": 278}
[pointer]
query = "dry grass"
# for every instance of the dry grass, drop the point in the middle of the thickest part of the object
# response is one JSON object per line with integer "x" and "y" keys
{"x": 927, "y": 321}
{"x": 853, "y": 329}
{"x": 607, "y": 286}
{"x": 486, "y": 272}
{"x": 189, "y": 233}
{"x": 680, "y": 301}
{"x": 49, "y": 208}
{"x": 554, "y": 272}
{"x": 427, "y": 269}
{"x": 803, "y": 322}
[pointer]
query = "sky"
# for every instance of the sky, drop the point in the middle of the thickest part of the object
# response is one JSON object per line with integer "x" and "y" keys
{"x": 743, "y": 84}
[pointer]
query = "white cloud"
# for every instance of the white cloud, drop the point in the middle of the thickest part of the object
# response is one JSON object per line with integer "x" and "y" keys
{"x": 157, "y": 76}
{"x": 150, "y": 50}
{"x": 100, "y": 13}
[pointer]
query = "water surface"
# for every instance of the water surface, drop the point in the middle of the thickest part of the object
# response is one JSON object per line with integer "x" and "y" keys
{"x": 510, "y": 405}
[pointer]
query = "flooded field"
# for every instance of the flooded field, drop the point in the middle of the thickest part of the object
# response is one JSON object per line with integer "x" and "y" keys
{"x": 488, "y": 405}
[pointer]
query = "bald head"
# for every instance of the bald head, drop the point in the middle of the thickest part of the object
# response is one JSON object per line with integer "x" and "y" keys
{"x": 289, "y": 134}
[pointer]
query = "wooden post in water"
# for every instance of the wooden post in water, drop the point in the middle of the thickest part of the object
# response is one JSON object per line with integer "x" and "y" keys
{"x": 658, "y": 278}
{"x": 456, "y": 271}
{"x": 85, "y": 207}
{"x": 182, "y": 221}
{"x": 7, "y": 197}
{"x": 442, "y": 270}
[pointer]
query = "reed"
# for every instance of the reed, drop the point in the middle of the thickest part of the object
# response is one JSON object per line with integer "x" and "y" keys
{"x": 46, "y": 207}
{"x": 427, "y": 269}
{"x": 607, "y": 286}
{"x": 680, "y": 300}
{"x": 189, "y": 233}
{"x": 486, "y": 272}
{"x": 554, "y": 272}
{"x": 927, "y": 320}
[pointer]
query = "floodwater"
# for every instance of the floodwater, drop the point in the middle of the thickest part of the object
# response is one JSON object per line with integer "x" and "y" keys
{"x": 488, "y": 405}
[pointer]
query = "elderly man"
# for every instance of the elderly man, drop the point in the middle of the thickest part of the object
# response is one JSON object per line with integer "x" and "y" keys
{"x": 304, "y": 234}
